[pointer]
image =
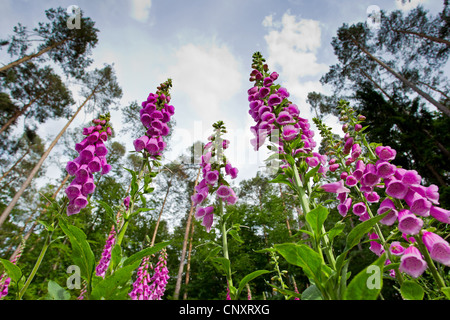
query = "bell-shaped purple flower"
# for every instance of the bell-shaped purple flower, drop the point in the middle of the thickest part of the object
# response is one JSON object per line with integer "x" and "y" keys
{"x": 412, "y": 262}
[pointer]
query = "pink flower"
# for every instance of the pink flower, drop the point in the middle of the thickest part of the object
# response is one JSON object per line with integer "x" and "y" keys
{"x": 335, "y": 187}
{"x": 438, "y": 248}
{"x": 396, "y": 189}
{"x": 440, "y": 214}
{"x": 385, "y": 153}
{"x": 212, "y": 177}
{"x": 408, "y": 223}
{"x": 375, "y": 246}
{"x": 290, "y": 132}
{"x": 396, "y": 248}
{"x": 359, "y": 209}
{"x": 412, "y": 262}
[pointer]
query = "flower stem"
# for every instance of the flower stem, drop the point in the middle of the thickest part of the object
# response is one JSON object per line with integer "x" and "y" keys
{"x": 437, "y": 277}
{"x": 223, "y": 230}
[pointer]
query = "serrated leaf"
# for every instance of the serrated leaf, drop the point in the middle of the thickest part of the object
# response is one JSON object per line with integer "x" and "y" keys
{"x": 367, "y": 284}
{"x": 249, "y": 278}
{"x": 56, "y": 292}
{"x": 410, "y": 290}
{"x": 12, "y": 270}
{"x": 145, "y": 252}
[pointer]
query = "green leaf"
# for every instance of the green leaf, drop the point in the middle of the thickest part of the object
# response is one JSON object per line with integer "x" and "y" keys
{"x": 282, "y": 178}
{"x": 108, "y": 209}
{"x": 56, "y": 292}
{"x": 446, "y": 291}
{"x": 116, "y": 256}
{"x": 336, "y": 230}
{"x": 12, "y": 270}
{"x": 354, "y": 237}
{"x": 235, "y": 235}
{"x": 311, "y": 293}
{"x": 213, "y": 253}
{"x": 222, "y": 264}
{"x": 304, "y": 257}
{"x": 145, "y": 252}
{"x": 312, "y": 172}
{"x": 249, "y": 278}
{"x": 46, "y": 225}
{"x": 367, "y": 284}
{"x": 316, "y": 218}
{"x": 115, "y": 286}
{"x": 410, "y": 290}
{"x": 82, "y": 254}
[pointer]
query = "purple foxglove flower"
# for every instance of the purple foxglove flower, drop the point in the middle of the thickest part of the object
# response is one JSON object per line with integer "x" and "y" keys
{"x": 212, "y": 177}
{"x": 358, "y": 127}
{"x": 335, "y": 187}
{"x": 409, "y": 223}
{"x": 73, "y": 191}
{"x": 284, "y": 118}
{"x": 81, "y": 201}
{"x": 106, "y": 169}
{"x": 375, "y": 246}
{"x": 438, "y": 248}
{"x": 293, "y": 110}
{"x": 356, "y": 151}
{"x": 93, "y": 137}
{"x": 411, "y": 177}
{"x": 396, "y": 248}
{"x": 88, "y": 131}
{"x": 432, "y": 193}
{"x": 100, "y": 149}
{"x": 126, "y": 202}
{"x": 334, "y": 167}
{"x": 283, "y": 93}
{"x": 72, "y": 209}
{"x": 391, "y": 217}
{"x": 82, "y": 174}
{"x": 372, "y": 197}
{"x": 198, "y": 198}
{"x": 268, "y": 117}
{"x": 152, "y": 146}
{"x": 232, "y": 199}
{"x": 370, "y": 179}
{"x": 396, "y": 189}
{"x": 156, "y": 115}
{"x": 274, "y": 100}
{"x": 268, "y": 82}
{"x": 140, "y": 143}
{"x": 88, "y": 187}
{"x": 359, "y": 208}
{"x": 418, "y": 204}
{"x": 105, "y": 260}
{"x": 88, "y": 153}
{"x": 208, "y": 220}
{"x": 440, "y": 214}
{"x": 347, "y": 145}
{"x": 274, "y": 76}
{"x": 312, "y": 161}
{"x": 146, "y": 120}
{"x": 351, "y": 181}
{"x": 95, "y": 165}
{"x": 263, "y": 92}
{"x": 385, "y": 169}
{"x": 290, "y": 132}
{"x": 385, "y": 153}
{"x": 73, "y": 166}
{"x": 412, "y": 262}
{"x": 223, "y": 192}
{"x": 344, "y": 206}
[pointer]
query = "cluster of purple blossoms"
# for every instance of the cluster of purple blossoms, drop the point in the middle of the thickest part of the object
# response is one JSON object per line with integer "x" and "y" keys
{"x": 155, "y": 116}
{"x": 279, "y": 118}
{"x": 405, "y": 199}
{"x": 103, "y": 264}
{"x": 151, "y": 288}
{"x": 92, "y": 158}
{"x": 213, "y": 180}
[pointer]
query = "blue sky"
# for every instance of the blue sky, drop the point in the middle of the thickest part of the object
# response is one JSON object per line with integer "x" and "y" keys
{"x": 205, "y": 46}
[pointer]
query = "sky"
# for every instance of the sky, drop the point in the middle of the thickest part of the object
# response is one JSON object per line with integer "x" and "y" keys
{"x": 206, "y": 47}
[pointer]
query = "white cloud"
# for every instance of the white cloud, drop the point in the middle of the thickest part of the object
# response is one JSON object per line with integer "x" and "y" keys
{"x": 292, "y": 47}
{"x": 140, "y": 9}
{"x": 208, "y": 76}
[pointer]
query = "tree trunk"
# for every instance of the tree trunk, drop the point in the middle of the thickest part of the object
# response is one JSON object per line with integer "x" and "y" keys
{"x": 29, "y": 232}
{"x": 15, "y": 164}
{"x": 36, "y": 168}
{"x": 176, "y": 294}
{"x": 32, "y": 56}
{"x": 188, "y": 266}
{"x": 17, "y": 115}
{"x": 423, "y": 35}
{"x": 408, "y": 83}
{"x": 160, "y": 213}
